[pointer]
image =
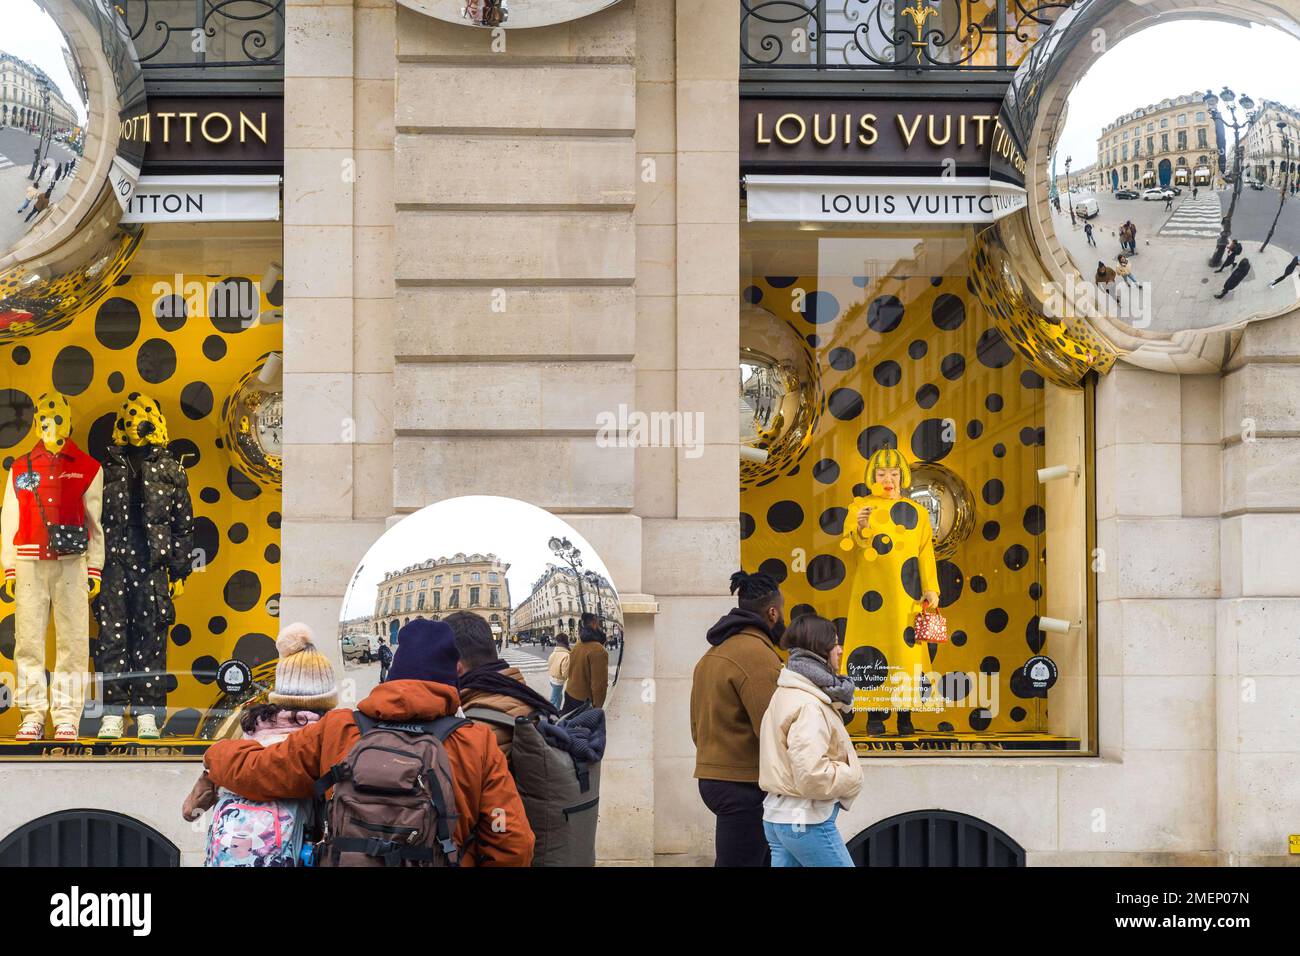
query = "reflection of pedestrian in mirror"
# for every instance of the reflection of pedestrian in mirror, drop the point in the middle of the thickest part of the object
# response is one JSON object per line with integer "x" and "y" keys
{"x": 1235, "y": 277}
{"x": 896, "y": 577}
{"x": 385, "y": 659}
{"x": 557, "y": 668}
{"x": 588, "y": 666}
{"x": 1290, "y": 268}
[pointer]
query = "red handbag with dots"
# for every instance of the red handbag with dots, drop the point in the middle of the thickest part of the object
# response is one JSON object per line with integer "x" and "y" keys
{"x": 931, "y": 627}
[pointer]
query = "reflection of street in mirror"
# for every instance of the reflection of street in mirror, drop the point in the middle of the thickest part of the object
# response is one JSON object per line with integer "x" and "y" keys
{"x": 42, "y": 120}
{"x": 1175, "y": 198}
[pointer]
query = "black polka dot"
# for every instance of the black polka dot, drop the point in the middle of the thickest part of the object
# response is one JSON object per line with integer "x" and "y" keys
{"x": 860, "y": 490}
{"x": 980, "y": 719}
{"x": 870, "y": 441}
{"x": 991, "y": 530}
{"x": 957, "y": 638}
{"x": 845, "y": 403}
{"x": 832, "y": 520}
{"x": 952, "y": 367}
{"x": 242, "y": 486}
{"x": 999, "y": 450}
{"x": 74, "y": 370}
{"x": 272, "y": 554}
{"x": 882, "y": 544}
{"x": 932, "y": 440}
{"x": 927, "y": 395}
{"x": 909, "y": 636}
{"x": 243, "y": 590}
{"x": 180, "y": 635}
{"x": 156, "y": 361}
{"x": 820, "y": 308}
{"x": 254, "y": 649}
{"x": 746, "y": 525}
{"x": 904, "y": 514}
{"x": 990, "y": 665}
{"x": 196, "y": 400}
{"x": 799, "y": 610}
{"x": 169, "y": 311}
{"x": 1034, "y": 635}
{"x": 992, "y": 350}
{"x": 910, "y": 576}
{"x": 884, "y": 314}
{"x": 100, "y": 437}
{"x": 868, "y": 667}
{"x": 993, "y": 491}
{"x": 948, "y": 312}
{"x": 887, "y": 374}
{"x": 872, "y": 601}
{"x": 917, "y": 350}
{"x": 774, "y": 568}
{"x": 214, "y": 348}
{"x": 17, "y": 412}
{"x": 1035, "y": 519}
{"x": 841, "y": 359}
{"x": 7, "y": 643}
{"x": 1035, "y": 590}
{"x": 978, "y": 584}
{"x": 116, "y": 382}
{"x": 237, "y": 532}
{"x": 993, "y": 402}
{"x": 826, "y": 471}
{"x": 21, "y": 355}
{"x": 996, "y": 620}
{"x": 273, "y": 519}
{"x": 1016, "y": 557}
{"x": 217, "y": 625}
{"x": 951, "y": 582}
{"x": 974, "y": 428}
{"x": 955, "y": 686}
{"x": 1031, "y": 436}
{"x": 207, "y": 540}
{"x": 1031, "y": 379}
{"x": 233, "y": 305}
{"x": 1018, "y": 714}
{"x": 117, "y": 323}
{"x": 204, "y": 669}
{"x": 784, "y": 516}
{"x": 825, "y": 572}
{"x": 210, "y": 495}
{"x": 184, "y": 451}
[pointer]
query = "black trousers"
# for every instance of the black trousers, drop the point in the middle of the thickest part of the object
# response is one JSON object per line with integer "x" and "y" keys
{"x": 135, "y": 613}
{"x": 738, "y": 837}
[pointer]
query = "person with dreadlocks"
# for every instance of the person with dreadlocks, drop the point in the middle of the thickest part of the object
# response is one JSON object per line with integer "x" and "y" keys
{"x": 730, "y": 691}
{"x": 896, "y": 577}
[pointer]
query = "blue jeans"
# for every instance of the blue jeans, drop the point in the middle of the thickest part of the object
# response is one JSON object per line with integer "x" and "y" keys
{"x": 557, "y": 696}
{"x": 817, "y": 845}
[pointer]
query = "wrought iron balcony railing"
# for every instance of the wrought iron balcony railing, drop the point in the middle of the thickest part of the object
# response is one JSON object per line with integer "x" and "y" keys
{"x": 229, "y": 37}
{"x": 934, "y": 35}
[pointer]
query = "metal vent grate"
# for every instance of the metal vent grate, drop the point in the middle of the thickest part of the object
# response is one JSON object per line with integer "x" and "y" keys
{"x": 87, "y": 838}
{"x": 934, "y": 838}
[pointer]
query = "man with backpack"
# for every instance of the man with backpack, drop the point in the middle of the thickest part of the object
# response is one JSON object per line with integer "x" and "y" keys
{"x": 448, "y": 798}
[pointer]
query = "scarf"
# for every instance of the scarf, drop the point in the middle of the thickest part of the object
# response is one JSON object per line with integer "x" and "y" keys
{"x": 838, "y": 687}
{"x": 489, "y": 679}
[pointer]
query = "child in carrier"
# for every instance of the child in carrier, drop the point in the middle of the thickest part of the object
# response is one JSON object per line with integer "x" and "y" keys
{"x": 246, "y": 832}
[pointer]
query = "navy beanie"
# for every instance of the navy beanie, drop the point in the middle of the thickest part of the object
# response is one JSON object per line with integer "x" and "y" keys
{"x": 426, "y": 650}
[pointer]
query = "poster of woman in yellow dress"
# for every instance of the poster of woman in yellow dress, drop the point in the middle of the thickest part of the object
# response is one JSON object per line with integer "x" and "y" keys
{"x": 891, "y": 545}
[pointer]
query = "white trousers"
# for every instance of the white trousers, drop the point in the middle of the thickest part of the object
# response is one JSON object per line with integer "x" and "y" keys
{"x": 38, "y": 586}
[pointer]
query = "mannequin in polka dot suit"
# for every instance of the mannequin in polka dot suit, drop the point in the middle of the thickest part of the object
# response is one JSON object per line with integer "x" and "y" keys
{"x": 148, "y": 523}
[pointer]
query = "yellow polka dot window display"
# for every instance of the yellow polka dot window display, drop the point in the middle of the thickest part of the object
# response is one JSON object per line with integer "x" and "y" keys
{"x": 187, "y": 352}
{"x": 914, "y": 365}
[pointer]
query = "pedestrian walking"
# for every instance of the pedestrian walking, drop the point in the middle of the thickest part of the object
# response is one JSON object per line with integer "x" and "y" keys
{"x": 488, "y": 825}
{"x": 588, "y": 666}
{"x": 1124, "y": 271}
{"x": 1105, "y": 280}
{"x": 1087, "y": 231}
{"x": 807, "y": 765}
{"x": 32, "y": 193}
{"x": 1195, "y": 191}
{"x": 42, "y": 203}
{"x": 58, "y": 172}
{"x": 557, "y": 669}
{"x": 1169, "y": 201}
{"x": 731, "y": 688}
{"x": 1291, "y": 267}
{"x": 1235, "y": 277}
{"x": 1234, "y": 250}
{"x": 251, "y": 833}
{"x": 385, "y": 659}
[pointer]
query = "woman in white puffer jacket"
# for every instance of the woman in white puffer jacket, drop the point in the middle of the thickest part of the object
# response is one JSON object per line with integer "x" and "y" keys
{"x": 806, "y": 761}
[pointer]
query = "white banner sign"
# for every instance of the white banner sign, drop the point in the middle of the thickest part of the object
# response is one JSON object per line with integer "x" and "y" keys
{"x": 865, "y": 199}
{"x": 123, "y": 176}
{"x": 205, "y": 199}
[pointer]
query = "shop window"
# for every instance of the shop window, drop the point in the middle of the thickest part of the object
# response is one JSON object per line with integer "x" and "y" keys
{"x": 858, "y": 341}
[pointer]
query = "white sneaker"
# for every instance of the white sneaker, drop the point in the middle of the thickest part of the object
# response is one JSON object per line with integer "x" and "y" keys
{"x": 146, "y": 728}
{"x": 110, "y": 728}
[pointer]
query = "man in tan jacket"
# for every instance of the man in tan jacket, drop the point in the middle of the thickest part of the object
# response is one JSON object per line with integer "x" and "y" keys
{"x": 731, "y": 689}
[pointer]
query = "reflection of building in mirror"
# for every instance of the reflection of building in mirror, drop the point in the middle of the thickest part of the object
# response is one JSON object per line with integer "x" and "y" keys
{"x": 439, "y": 586}
{"x": 1169, "y": 143}
{"x": 1271, "y": 145}
{"x": 557, "y": 600}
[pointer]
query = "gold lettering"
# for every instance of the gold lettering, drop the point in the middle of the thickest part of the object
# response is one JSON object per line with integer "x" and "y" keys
{"x": 848, "y": 135}
{"x": 867, "y": 124}
{"x": 908, "y": 134}
{"x": 947, "y": 130}
{"x": 759, "y": 138}
{"x": 961, "y": 136}
{"x": 166, "y": 119}
{"x": 258, "y": 131}
{"x": 189, "y": 134}
{"x": 981, "y": 120}
{"x": 230, "y": 127}
{"x": 817, "y": 130}
{"x": 789, "y": 140}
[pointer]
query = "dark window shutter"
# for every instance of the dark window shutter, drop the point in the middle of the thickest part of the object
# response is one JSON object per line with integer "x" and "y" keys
{"x": 934, "y": 838}
{"x": 87, "y": 838}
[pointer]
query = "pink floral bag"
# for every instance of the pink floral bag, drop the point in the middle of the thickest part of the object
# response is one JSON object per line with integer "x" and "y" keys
{"x": 931, "y": 628}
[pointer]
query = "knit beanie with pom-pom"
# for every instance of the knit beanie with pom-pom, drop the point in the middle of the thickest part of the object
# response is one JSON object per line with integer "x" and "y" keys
{"x": 304, "y": 676}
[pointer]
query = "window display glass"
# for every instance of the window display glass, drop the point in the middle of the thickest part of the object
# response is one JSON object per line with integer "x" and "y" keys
{"x": 141, "y": 543}
{"x": 891, "y": 448}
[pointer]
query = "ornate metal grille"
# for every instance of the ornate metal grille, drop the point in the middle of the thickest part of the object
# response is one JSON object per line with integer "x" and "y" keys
{"x": 205, "y": 34}
{"x": 987, "y": 35}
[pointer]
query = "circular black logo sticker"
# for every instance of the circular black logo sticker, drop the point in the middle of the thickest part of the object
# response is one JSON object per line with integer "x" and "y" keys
{"x": 234, "y": 676}
{"x": 1040, "y": 675}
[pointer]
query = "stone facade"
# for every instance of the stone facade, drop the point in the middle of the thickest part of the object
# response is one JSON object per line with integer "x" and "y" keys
{"x": 1166, "y": 142}
{"x": 434, "y": 588}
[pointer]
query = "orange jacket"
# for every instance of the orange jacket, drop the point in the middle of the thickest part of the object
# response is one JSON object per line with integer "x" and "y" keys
{"x": 485, "y": 791}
